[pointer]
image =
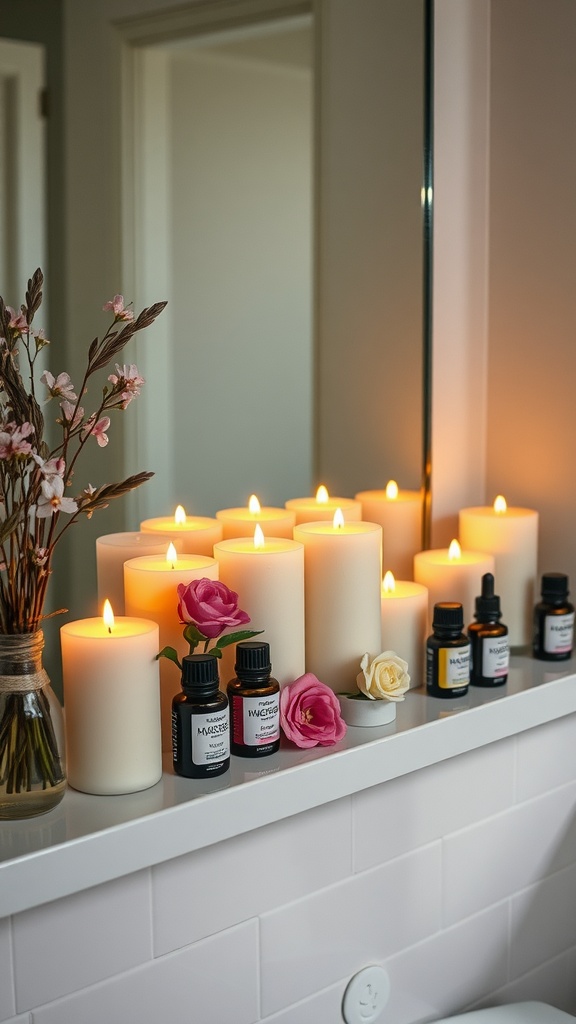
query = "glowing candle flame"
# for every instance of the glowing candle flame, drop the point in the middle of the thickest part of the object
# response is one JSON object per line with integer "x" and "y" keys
{"x": 500, "y": 505}
{"x": 259, "y": 541}
{"x": 171, "y": 555}
{"x": 253, "y": 505}
{"x": 321, "y": 495}
{"x": 338, "y": 521}
{"x": 388, "y": 583}
{"x": 454, "y": 551}
{"x": 180, "y": 516}
{"x": 391, "y": 490}
{"x": 108, "y": 616}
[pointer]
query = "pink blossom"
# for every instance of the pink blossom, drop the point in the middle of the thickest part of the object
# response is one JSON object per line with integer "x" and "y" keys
{"x": 60, "y": 386}
{"x": 52, "y": 499}
{"x": 310, "y": 713}
{"x": 97, "y": 429}
{"x": 12, "y": 441}
{"x": 116, "y": 306}
{"x": 128, "y": 381}
{"x": 18, "y": 322}
{"x": 51, "y": 467}
{"x": 210, "y": 606}
{"x": 72, "y": 416}
{"x": 40, "y": 556}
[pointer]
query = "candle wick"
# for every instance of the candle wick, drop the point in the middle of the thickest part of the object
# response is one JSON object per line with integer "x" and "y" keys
{"x": 110, "y": 629}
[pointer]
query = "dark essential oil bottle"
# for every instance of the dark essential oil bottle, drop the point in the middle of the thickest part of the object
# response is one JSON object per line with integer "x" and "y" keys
{"x": 200, "y": 726}
{"x": 447, "y": 652}
{"x": 554, "y": 620}
{"x": 489, "y": 644}
{"x": 254, "y": 702}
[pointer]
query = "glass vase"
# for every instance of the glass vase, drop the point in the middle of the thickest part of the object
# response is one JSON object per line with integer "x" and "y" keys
{"x": 32, "y": 764}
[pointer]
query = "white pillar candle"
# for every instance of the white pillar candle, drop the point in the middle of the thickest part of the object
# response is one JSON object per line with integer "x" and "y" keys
{"x": 342, "y": 576}
{"x": 268, "y": 576}
{"x": 112, "y": 550}
{"x": 198, "y": 534}
{"x": 405, "y": 626}
{"x": 452, "y": 574}
{"x": 400, "y": 516}
{"x": 150, "y": 588}
{"x": 241, "y": 522}
{"x": 112, "y": 700}
{"x": 511, "y": 536}
{"x": 322, "y": 508}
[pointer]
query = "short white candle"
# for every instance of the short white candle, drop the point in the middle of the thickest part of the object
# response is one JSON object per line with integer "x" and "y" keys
{"x": 405, "y": 626}
{"x": 241, "y": 522}
{"x": 112, "y": 550}
{"x": 400, "y": 516}
{"x": 268, "y": 576}
{"x": 322, "y": 507}
{"x": 112, "y": 700}
{"x": 511, "y": 536}
{"x": 198, "y": 534}
{"x": 150, "y": 587}
{"x": 451, "y": 574}
{"x": 342, "y": 576}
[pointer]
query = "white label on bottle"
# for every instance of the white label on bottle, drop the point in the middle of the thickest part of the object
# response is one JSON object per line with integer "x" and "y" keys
{"x": 495, "y": 656}
{"x": 453, "y": 667}
{"x": 210, "y": 737}
{"x": 558, "y": 633}
{"x": 259, "y": 718}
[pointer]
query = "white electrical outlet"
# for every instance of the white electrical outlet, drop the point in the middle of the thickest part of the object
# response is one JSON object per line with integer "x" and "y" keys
{"x": 366, "y": 996}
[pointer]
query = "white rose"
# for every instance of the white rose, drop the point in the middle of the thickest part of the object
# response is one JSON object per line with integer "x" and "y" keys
{"x": 384, "y": 677}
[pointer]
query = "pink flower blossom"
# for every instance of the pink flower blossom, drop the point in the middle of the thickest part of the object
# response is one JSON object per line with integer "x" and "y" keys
{"x": 97, "y": 429}
{"x": 18, "y": 322}
{"x": 12, "y": 441}
{"x": 116, "y": 306}
{"x": 310, "y": 713}
{"x": 40, "y": 556}
{"x": 210, "y": 606}
{"x": 71, "y": 415}
{"x": 51, "y": 467}
{"x": 127, "y": 381}
{"x": 60, "y": 386}
{"x": 52, "y": 499}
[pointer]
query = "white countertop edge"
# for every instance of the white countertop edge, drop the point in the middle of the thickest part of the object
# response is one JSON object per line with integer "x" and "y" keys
{"x": 312, "y": 779}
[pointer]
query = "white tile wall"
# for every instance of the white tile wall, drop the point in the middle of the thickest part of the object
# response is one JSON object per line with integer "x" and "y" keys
{"x": 460, "y": 878}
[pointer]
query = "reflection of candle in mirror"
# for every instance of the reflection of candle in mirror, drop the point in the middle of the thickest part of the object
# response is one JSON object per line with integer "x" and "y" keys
{"x": 321, "y": 508}
{"x": 198, "y": 534}
{"x": 511, "y": 535}
{"x": 342, "y": 566}
{"x": 150, "y": 588}
{"x": 399, "y": 513}
{"x": 113, "y": 549}
{"x": 404, "y": 609}
{"x": 112, "y": 696}
{"x": 240, "y": 522}
{"x": 267, "y": 573}
{"x": 452, "y": 574}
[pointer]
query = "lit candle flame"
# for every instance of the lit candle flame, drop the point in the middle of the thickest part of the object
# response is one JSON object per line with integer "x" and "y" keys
{"x": 322, "y": 495}
{"x": 500, "y": 505}
{"x": 180, "y": 516}
{"x": 253, "y": 505}
{"x": 259, "y": 541}
{"x": 171, "y": 555}
{"x": 108, "y": 616}
{"x": 454, "y": 551}
{"x": 391, "y": 490}
{"x": 388, "y": 583}
{"x": 338, "y": 521}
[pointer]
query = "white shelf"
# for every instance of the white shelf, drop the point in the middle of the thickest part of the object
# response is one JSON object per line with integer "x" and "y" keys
{"x": 88, "y": 840}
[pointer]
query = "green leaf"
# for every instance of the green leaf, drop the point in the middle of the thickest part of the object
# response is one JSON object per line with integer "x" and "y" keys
{"x": 216, "y": 652}
{"x": 235, "y": 638}
{"x": 192, "y": 634}
{"x": 171, "y": 654}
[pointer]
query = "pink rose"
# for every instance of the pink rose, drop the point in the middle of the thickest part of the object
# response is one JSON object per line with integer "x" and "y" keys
{"x": 310, "y": 713}
{"x": 210, "y": 606}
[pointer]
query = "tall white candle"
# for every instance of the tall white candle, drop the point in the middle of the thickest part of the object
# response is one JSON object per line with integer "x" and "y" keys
{"x": 112, "y": 550}
{"x": 150, "y": 587}
{"x": 198, "y": 534}
{"x": 511, "y": 536}
{"x": 322, "y": 507}
{"x": 400, "y": 516}
{"x": 241, "y": 522}
{"x": 405, "y": 626}
{"x": 342, "y": 574}
{"x": 452, "y": 574}
{"x": 268, "y": 576}
{"x": 112, "y": 698}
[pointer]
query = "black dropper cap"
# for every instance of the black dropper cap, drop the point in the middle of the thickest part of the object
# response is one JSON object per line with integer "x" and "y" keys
{"x": 555, "y": 586}
{"x": 448, "y": 615}
{"x": 200, "y": 674}
{"x": 488, "y": 603}
{"x": 253, "y": 659}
